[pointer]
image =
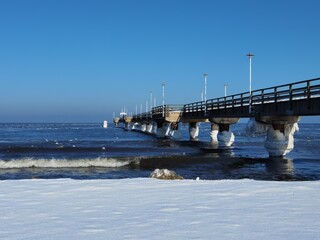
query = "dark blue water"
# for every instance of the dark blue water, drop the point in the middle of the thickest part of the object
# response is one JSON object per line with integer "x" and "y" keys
{"x": 88, "y": 151}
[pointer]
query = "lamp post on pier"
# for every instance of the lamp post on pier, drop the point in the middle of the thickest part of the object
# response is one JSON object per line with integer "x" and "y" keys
{"x": 163, "y": 83}
{"x": 225, "y": 89}
{"x": 250, "y": 55}
{"x": 151, "y": 104}
{"x": 205, "y": 93}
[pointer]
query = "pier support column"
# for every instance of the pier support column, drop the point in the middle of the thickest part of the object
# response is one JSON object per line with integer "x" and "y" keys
{"x": 280, "y": 140}
{"x": 149, "y": 127}
{"x": 136, "y": 126}
{"x": 194, "y": 130}
{"x": 116, "y": 121}
{"x": 154, "y": 128}
{"x": 143, "y": 127}
{"x": 128, "y": 126}
{"x": 221, "y": 132}
{"x": 163, "y": 130}
{"x": 214, "y": 132}
{"x": 225, "y": 135}
{"x": 280, "y": 131}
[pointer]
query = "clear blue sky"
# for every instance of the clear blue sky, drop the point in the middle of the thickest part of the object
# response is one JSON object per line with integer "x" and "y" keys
{"x": 82, "y": 60}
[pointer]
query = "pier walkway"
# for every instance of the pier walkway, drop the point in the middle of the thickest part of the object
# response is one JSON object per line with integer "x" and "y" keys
{"x": 274, "y": 111}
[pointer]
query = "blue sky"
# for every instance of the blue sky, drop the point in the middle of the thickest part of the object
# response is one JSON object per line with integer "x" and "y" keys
{"x": 82, "y": 60}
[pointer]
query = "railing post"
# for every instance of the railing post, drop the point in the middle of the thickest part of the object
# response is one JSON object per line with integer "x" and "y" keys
{"x": 232, "y": 103}
{"x": 241, "y": 102}
{"x": 290, "y": 96}
{"x": 275, "y": 98}
{"x": 308, "y": 95}
{"x": 262, "y": 99}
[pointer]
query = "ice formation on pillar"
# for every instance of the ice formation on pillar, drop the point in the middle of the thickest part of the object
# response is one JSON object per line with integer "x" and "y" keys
{"x": 149, "y": 128}
{"x": 194, "y": 130}
{"x": 226, "y": 138}
{"x": 154, "y": 128}
{"x": 214, "y": 135}
{"x": 128, "y": 126}
{"x": 164, "y": 131}
{"x": 280, "y": 143}
{"x": 254, "y": 127}
{"x": 143, "y": 127}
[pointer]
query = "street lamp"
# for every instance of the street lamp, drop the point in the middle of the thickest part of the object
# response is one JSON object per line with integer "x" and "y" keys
{"x": 250, "y": 55}
{"x": 163, "y": 83}
{"x": 225, "y": 89}
{"x": 151, "y": 104}
{"x": 205, "y": 86}
{"x": 205, "y": 93}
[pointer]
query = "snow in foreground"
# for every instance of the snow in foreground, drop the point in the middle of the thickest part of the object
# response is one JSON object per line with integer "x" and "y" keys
{"x": 159, "y": 209}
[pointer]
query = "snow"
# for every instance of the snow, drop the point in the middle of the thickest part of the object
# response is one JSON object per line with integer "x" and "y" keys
{"x": 146, "y": 208}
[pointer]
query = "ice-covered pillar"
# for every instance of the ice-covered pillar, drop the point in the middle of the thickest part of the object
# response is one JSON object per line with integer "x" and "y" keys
{"x": 143, "y": 127}
{"x": 163, "y": 130}
{"x": 221, "y": 132}
{"x": 154, "y": 128}
{"x": 225, "y": 135}
{"x": 214, "y": 132}
{"x": 149, "y": 127}
{"x": 194, "y": 130}
{"x": 128, "y": 126}
{"x": 279, "y": 130}
{"x": 280, "y": 140}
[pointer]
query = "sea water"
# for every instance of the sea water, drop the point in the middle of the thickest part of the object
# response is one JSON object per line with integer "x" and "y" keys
{"x": 89, "y": 151}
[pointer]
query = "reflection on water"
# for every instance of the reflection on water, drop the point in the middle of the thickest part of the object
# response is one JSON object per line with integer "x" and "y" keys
{"x": 282, "y": 167}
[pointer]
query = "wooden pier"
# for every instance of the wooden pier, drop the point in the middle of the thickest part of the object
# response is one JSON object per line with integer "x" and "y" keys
{"x": 278, "y": 108}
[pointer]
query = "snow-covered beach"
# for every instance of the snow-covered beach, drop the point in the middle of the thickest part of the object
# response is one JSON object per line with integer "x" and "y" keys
{"x": 145, "y": 208}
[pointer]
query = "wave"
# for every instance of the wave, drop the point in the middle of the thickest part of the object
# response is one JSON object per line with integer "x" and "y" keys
{"x": 63, "y": 163}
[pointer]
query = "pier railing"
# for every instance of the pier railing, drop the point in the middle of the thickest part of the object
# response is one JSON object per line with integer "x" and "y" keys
{"x": 299, "y": 98}
{"x": 303, "y": 90}
{"x": 159, "y": 112}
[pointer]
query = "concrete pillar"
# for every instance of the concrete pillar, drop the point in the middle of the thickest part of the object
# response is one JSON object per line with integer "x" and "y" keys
{"x": 280, "y": 140}
{"x": 225, "y": 135}
{"x": 194, "y": 130}
{"x": 116, "y": 121}
{"x": 154, "y": 128}
{"x": 214, "y": 132}
{"x": 164, "y": 130}
{"x": 128, "y": 126}
{"x": 143, "y": 127}
{"x": 149, "y": 127}
{"x": 136, "y": 126}
{"x": 221, "y": 132}
{"x": 279, "y": 130}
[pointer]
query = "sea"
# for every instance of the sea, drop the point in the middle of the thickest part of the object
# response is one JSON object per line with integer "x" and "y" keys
{"x": 89, "y": 151}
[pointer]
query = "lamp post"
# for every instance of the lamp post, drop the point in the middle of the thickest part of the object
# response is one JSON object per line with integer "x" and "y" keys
{"x": 205, "y": 93}
{"x": 163, "y": 83}
{"x": 250, "y": 55}
{"x": 205, "y": 86}
{"x": 151, "y": 104}
{"x": 225, "y": 89}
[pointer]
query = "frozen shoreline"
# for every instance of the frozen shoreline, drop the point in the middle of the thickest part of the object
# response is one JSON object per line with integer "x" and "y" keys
{"x": 157, "y": 209}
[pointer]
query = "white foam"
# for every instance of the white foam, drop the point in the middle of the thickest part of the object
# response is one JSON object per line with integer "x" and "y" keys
{"x": 62, "y": 163}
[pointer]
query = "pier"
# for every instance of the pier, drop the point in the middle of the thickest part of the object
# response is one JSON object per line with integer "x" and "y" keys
{"x": 274, "y": 111}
